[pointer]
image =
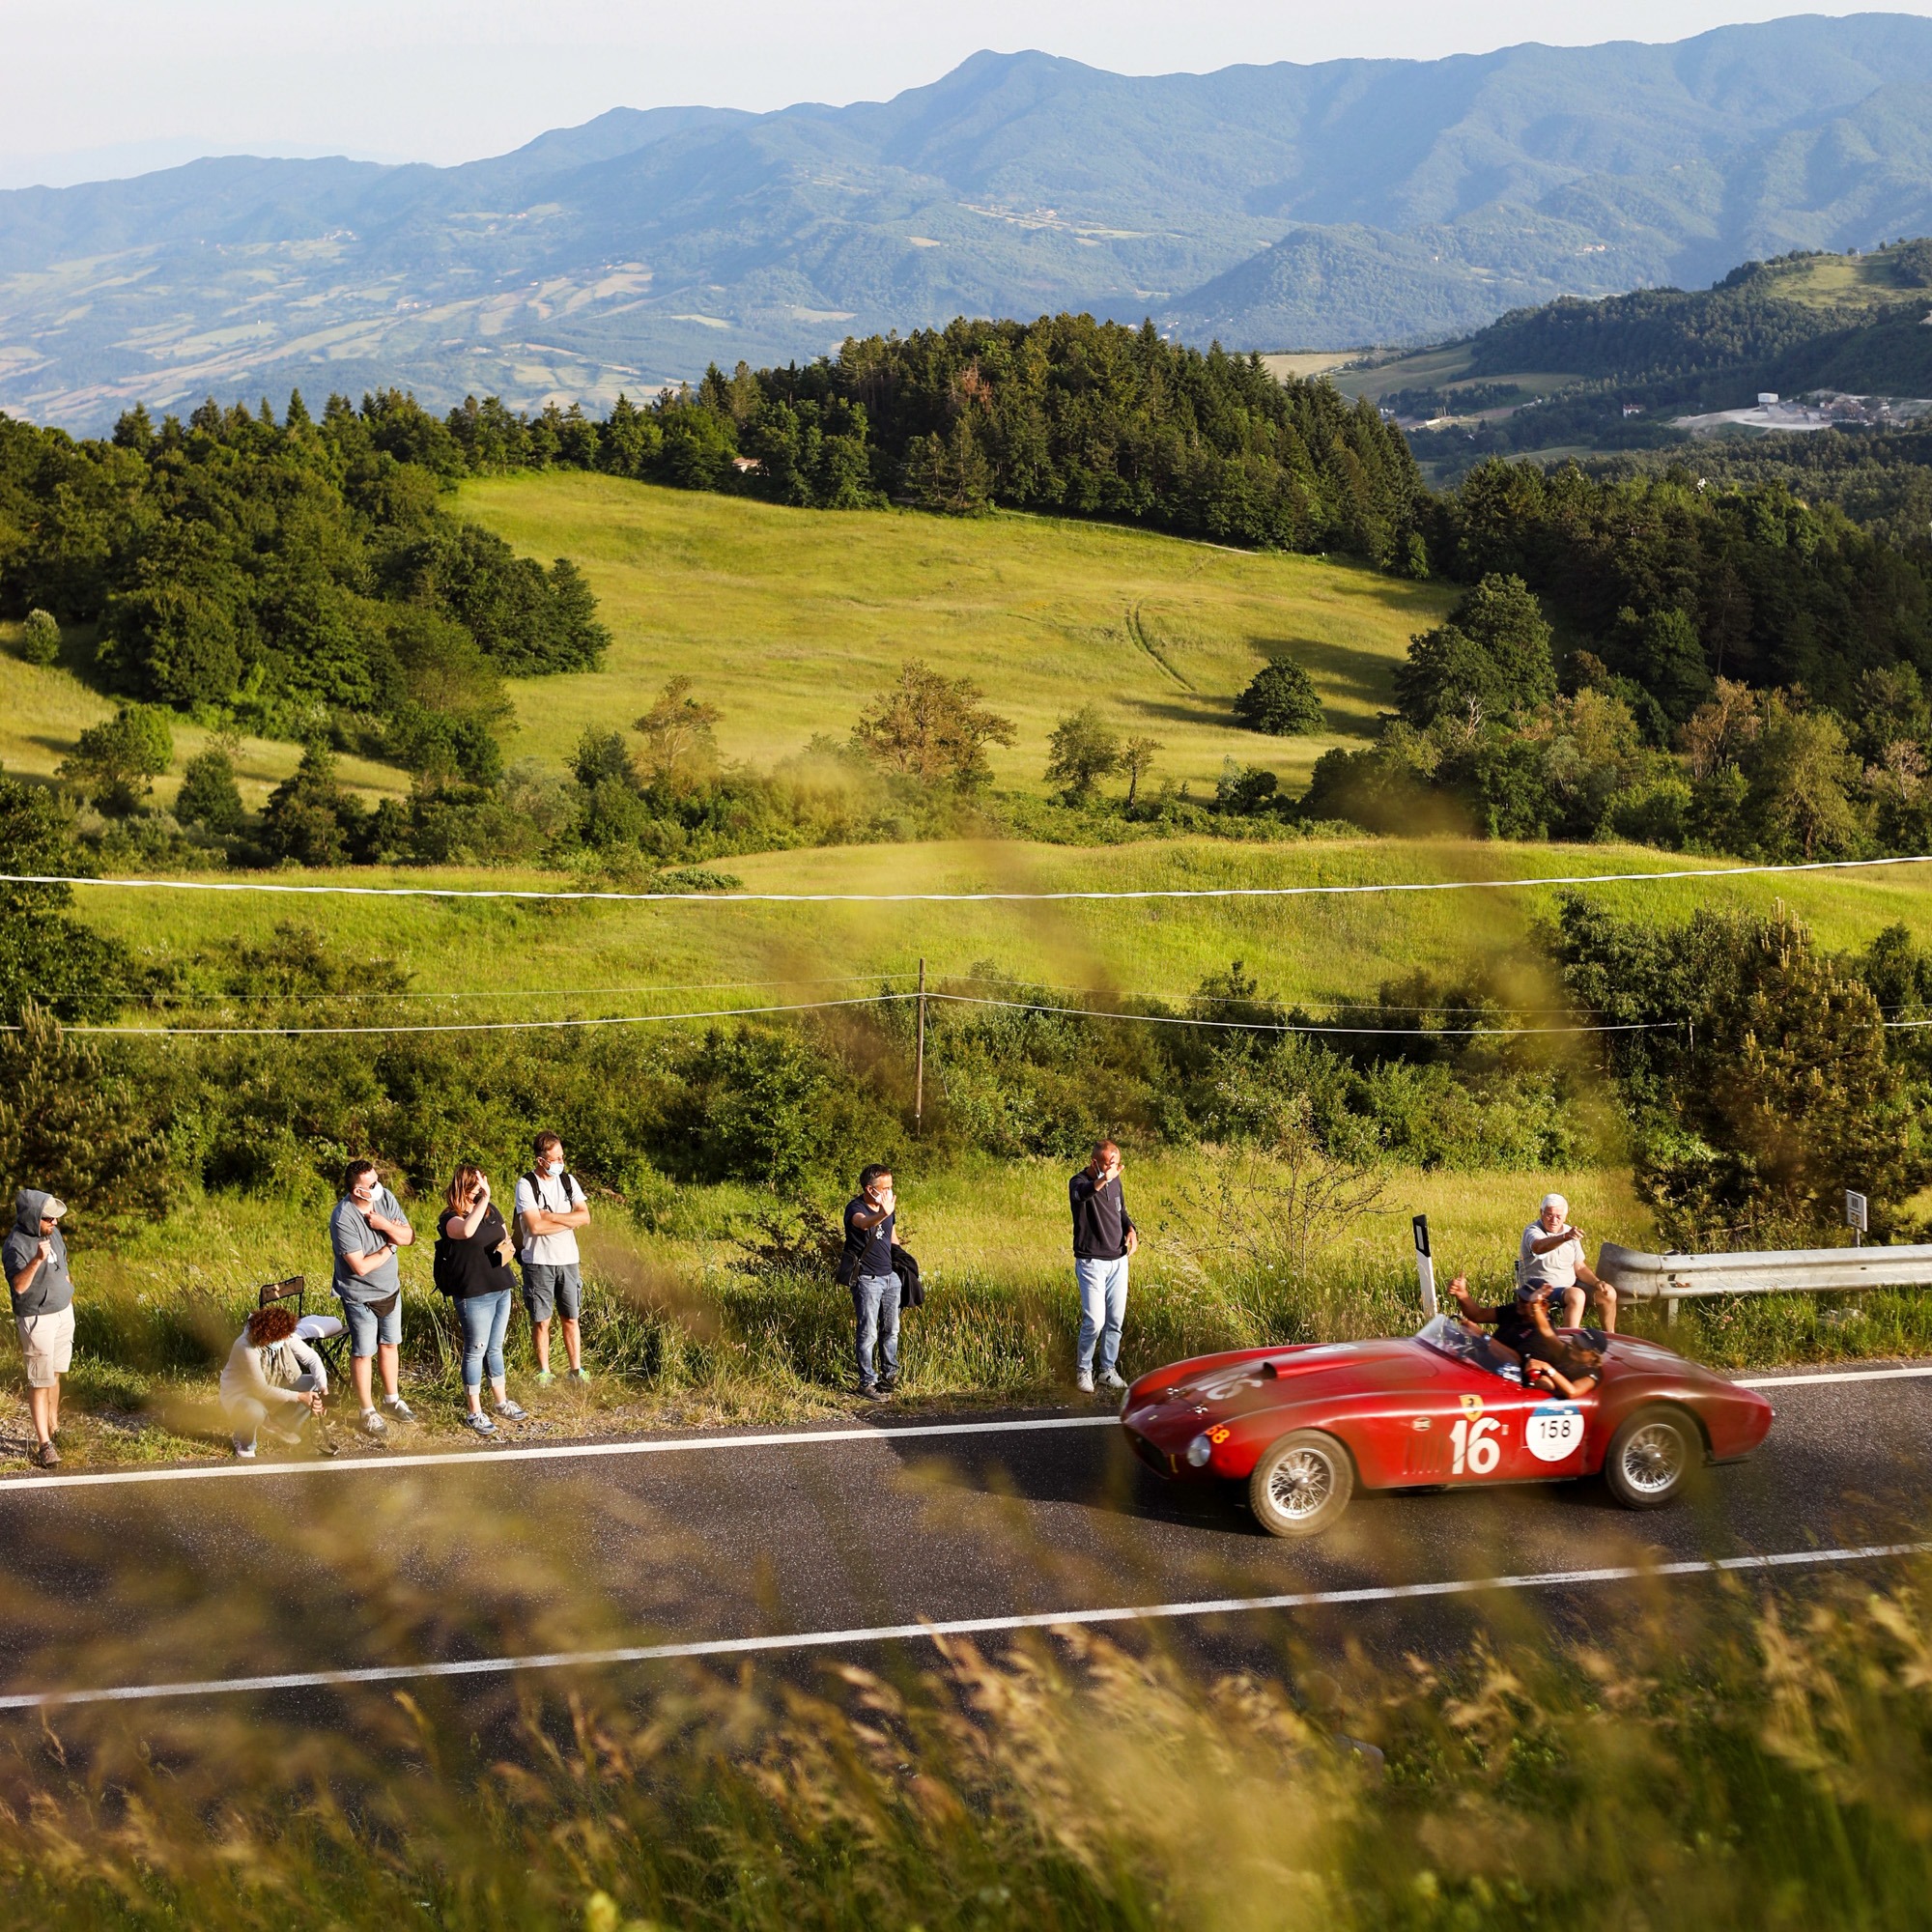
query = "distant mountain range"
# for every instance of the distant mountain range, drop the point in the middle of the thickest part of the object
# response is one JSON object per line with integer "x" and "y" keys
{"x": 1273, "y": 207}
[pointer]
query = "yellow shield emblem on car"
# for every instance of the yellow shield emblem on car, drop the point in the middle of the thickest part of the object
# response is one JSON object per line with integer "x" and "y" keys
{"x": 1472, "y": 1407}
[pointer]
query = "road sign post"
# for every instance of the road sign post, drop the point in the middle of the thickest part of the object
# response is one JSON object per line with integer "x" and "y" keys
{"x": 1424, "y": 1265}
{"x": 1855, "y": 1216}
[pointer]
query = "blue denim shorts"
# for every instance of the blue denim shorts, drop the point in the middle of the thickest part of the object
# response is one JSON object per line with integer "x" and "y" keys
{"x": 367, "y": 1328}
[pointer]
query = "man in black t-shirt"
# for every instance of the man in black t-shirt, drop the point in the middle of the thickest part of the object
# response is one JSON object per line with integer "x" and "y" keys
{"x": 869, "y": 1216}
{"x": 1104, "y": 1236}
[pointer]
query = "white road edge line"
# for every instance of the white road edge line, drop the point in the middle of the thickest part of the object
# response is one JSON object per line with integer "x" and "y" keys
{"x": 442, "y": 1459}
{"x": 749, "y": 1646}
{"x": 1831, "y": 1375}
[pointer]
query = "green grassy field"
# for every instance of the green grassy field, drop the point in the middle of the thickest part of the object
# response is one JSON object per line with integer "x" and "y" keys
{"x": 507, "y": 957}
{"x": 791, "y": 620}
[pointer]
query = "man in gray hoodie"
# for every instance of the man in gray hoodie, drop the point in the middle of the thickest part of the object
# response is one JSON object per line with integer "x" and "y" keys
{"x": 42, "y": 1290}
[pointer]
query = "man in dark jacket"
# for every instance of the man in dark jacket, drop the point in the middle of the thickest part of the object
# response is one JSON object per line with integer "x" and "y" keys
{"x": 869, "y": 1218}
{"x": 1103, "y": 1237}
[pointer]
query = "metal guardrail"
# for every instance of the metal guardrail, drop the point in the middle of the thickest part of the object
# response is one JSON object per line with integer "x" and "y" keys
{"x": 1674, "y": 1278}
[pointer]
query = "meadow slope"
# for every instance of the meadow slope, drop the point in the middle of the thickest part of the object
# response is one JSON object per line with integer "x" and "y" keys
{"x": 790, "y": 620}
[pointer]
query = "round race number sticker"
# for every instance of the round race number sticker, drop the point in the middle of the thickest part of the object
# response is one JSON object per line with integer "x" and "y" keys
{"x": 1555, "y": 1430}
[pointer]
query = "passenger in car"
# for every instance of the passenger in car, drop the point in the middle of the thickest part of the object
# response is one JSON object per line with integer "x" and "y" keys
{"x": 1572, "y": 1372}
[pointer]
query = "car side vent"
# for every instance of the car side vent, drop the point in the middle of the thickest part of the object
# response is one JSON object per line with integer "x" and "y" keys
{"x": 1269, "y": 1373}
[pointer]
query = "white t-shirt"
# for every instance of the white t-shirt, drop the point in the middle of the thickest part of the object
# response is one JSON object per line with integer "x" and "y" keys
{"x": 1557, "y": 1269}
{"x": 548, "y": 1250}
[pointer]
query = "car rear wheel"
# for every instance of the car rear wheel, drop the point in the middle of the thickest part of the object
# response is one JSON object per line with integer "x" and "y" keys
{"x": 1301, "y": 1483}
{"x": 1652, "y": 1455}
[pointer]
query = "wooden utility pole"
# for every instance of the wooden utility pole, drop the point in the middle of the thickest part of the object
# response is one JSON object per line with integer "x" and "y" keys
{"x": 918, "y": 1063}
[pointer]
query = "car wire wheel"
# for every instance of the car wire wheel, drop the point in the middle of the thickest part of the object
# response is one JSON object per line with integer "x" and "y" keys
{"x": 1651, "y": 1457}
{"x": 1301, "y": 1483}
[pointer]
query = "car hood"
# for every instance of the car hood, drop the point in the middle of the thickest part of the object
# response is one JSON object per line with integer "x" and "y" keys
{"x": 1290, "y": 1373}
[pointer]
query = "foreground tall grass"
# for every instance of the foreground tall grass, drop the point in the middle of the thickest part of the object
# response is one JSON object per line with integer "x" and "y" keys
{"x": 1720, "y": 1760}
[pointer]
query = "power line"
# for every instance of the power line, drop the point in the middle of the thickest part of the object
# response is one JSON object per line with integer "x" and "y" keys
{"x": 864, "y": 1000}
{"x": 473, "y": 1026}
{"x": 966, "y": 899}
{"x": 1314, "y": 1027}
{"x": 190, "y": 997}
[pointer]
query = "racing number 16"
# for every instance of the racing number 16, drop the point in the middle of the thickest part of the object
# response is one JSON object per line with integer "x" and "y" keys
{"x": 1476, "y": 1448}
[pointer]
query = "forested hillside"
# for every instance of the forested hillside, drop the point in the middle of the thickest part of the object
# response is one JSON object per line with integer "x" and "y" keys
{"x": 296, "y": 577}
{"x": 1618, "y": 373}
{"x": 1067, "y": 415}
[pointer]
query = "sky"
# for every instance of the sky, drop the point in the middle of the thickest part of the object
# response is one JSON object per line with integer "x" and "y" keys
{"x": 100, "y": 88}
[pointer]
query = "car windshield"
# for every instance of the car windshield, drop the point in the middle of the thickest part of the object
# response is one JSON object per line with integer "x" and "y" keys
{"x": 1448, "y": 1336}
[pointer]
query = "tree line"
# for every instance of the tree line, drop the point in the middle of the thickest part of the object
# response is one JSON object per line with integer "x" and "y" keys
{"x": 299, "y": 578}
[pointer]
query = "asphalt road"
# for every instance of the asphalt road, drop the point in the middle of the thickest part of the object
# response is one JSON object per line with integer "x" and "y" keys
{"x": 852, "y": 1541}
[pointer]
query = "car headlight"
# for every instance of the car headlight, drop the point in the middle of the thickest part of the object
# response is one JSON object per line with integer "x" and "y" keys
{"x": 1199, "y": 1450}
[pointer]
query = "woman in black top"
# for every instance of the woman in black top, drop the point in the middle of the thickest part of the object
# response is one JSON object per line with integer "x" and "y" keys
{"x": 474, "y": 1252}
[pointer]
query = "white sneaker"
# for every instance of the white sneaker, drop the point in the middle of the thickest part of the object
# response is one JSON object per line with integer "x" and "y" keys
{"x": 480, "y": 1423}
{"x": 399, "y": 1409}
{"x": 1112, "y": 1379}
{"x": 373, "y": 1424}
{"x": 1084, "y": 1381}
{"x": 245, "y": 1450}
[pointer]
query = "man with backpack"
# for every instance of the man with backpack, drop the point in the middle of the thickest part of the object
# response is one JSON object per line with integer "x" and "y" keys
{"x": 550, "y": 1206}
{"x": 867, "y": 1270}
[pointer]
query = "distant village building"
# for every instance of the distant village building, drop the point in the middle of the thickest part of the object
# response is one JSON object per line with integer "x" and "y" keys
{"x": 1767, "y": 399}
{"x": 747, "y": 465}
{"x": 1633, "y": 409}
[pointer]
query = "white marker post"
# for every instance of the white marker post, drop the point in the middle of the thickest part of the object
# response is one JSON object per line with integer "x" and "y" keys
{"x": 1424, "y": 1265}
{"x": 1855, "y": 1218}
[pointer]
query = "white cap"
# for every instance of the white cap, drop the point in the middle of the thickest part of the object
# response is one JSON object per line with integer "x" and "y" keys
{"x": 1557, "y": 1202}
{"x": 52, "y": 1209}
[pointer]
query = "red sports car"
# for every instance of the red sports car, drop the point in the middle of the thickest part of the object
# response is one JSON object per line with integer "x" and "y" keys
{"x": 1304, "y": 1425}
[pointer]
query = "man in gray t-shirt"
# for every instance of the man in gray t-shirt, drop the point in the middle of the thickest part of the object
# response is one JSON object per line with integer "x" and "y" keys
{"x": 35, "y": 1258}
{"x": 366, "y": 1231}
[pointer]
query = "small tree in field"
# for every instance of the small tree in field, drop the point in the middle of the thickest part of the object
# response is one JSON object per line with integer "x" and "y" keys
{"x": 116, "y": 763}
{"x": 40, "y": 639}
{"x": 1081, "y": 751}
{"x": 678, "y": 733}
{"x": 932, "y": 729}
{"x": 1281, "y": 700}
{"x": 209, "y": 794}
{"x": 1137, "y": 757}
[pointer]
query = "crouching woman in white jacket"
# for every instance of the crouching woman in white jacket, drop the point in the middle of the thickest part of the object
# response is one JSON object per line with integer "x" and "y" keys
{"x": 273, "y": 1381}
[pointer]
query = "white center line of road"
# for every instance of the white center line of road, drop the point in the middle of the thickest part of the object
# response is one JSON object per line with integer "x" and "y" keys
{"x": 790, "y": 1438}
{"x": 1127, "y": 1613}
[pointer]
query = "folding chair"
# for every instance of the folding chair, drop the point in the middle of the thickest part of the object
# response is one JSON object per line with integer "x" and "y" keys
{"x": 325, "y": 1334}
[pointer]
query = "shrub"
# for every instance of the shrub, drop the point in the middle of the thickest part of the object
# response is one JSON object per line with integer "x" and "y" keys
{"x": 41, "y": 639}
{"x": 208, "y": 795}
{"x": 1281, "y": 700}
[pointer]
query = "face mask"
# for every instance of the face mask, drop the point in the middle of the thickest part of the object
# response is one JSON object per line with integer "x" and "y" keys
{"x": 552, "y": 1167}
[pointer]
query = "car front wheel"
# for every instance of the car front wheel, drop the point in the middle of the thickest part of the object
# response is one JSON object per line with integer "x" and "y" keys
{"x": 1301, "y": 1483}
{"x": 1653, "y": 1454}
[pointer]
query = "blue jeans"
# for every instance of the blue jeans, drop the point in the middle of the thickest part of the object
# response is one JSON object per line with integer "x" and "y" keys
{"x": 484, "y": 1319}
{"x": 875, "y": 1303}
{"x": 1104, "y": 1307}
{"x": 367, "y": 1331}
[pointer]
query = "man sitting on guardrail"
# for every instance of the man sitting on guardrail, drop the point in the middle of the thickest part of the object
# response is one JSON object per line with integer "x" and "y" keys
{"x": 1550, "y": 1269}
